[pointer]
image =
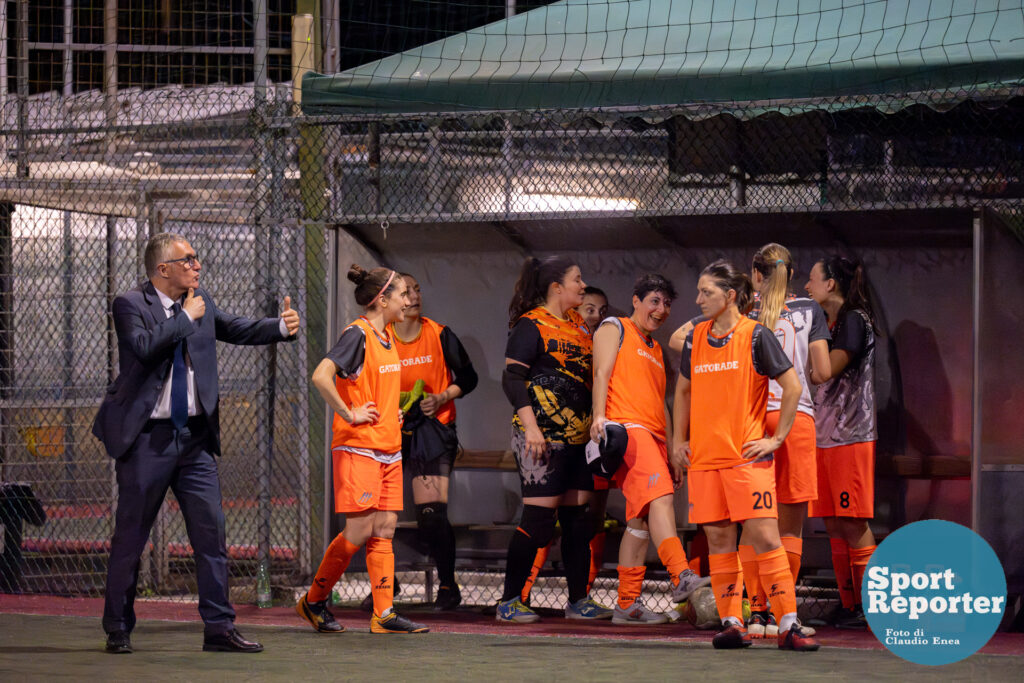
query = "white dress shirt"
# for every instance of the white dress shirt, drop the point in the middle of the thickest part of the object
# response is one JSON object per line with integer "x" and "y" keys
{"x": 162, "y": 409}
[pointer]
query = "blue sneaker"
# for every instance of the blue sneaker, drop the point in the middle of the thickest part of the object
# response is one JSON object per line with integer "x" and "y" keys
{"x": 587, "y": 608}
{"x": 515, "y": 612}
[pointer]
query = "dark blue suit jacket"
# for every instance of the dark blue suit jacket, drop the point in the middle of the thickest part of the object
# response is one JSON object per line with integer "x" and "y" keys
{"x": 146, "y": 338}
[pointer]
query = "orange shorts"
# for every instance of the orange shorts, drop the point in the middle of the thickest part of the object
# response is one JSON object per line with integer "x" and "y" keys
{"x": 362, "y": 483}
{"x": 846, "y": 481}
{"x": 796, "y": 467}
{"x": 735, "y": 493}
{"x": 644, "y": 475}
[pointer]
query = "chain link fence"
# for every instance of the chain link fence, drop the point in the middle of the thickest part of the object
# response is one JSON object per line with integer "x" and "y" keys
{"x": 89, "y": 174}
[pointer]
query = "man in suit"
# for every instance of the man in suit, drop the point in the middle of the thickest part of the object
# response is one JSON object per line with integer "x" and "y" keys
{"x": 159, "y": 421}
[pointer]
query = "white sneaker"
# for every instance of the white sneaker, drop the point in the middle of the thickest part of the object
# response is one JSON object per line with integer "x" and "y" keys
{"x": 689, "y": 581}
{"x": 637, "y": 614}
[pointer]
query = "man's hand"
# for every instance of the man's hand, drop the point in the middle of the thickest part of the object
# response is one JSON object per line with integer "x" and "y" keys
{"x": 597, "y": 428}
{"x": 194, "y": 305}
{"x": 536, "y": 446}
{"x": 290, "y": 317}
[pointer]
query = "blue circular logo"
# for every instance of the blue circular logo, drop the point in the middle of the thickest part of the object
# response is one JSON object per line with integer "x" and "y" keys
{"x": 934, "y": 592}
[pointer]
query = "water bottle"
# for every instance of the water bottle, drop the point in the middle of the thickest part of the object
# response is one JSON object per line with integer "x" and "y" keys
{"x": 263, "y": 595}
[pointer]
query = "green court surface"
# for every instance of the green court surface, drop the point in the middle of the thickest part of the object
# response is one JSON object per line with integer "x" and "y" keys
{"x": 50, "y": 647}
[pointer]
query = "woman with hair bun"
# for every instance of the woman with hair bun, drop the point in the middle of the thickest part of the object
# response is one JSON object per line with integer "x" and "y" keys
{"x": 547, "y": 380}
{"x": 360, "y": 379}
{"x": 844, "y": 409}
{"x": 720, "y": 436}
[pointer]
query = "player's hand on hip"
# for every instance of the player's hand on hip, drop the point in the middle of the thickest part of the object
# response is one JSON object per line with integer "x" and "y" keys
{"x": 759, "y": 447}
{"x": 194, "y": 305}
{"x": 290, "y": 316}
{"x": 365, "y": 414}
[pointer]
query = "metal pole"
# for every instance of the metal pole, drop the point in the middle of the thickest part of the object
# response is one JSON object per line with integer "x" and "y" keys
{"x": 260, "y": 50}
{"x": 69, "y": 356}
{"x": 976, "y": 295}
{"x": 22, "y": 77}
{"x": 110, "y": 67}
{"x": 3, "y": 79}
{"x": 332, "y": 18}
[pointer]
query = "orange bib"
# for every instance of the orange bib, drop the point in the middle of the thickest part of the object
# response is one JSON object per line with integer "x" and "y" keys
{"x": 636, "y": 388}
{"x": 380, "y": 382}
{"x": 423, "y": 358}
{"x": 727, "y": 397}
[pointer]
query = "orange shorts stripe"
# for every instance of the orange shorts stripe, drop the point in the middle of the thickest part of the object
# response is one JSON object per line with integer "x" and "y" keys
{"x": 644, "y": 475}
{"x": 362, "y": 483}
{"x": 846, "y": 481}
{"x": 733, "y": 493}
{"x": 796, "y": 467}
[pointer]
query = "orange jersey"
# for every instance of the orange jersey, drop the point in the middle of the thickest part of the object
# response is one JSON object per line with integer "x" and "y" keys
{"x": 378, "y": 381}
{"x": 727, "y": 397}
{"x": 423, "y": 358}
{"x": 636, "y": 388}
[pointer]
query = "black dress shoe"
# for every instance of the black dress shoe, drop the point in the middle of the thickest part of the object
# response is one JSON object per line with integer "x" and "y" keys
{"x": 232, "y": 641}
{"x": 119, "y": 643}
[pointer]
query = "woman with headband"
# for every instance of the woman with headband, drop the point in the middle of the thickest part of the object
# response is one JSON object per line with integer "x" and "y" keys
{"x": 360, "y": 379}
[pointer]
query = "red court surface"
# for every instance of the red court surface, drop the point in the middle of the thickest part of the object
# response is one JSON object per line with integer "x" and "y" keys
{"x": 464, "y": 621}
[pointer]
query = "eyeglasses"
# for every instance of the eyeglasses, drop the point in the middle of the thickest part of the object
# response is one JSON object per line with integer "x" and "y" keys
{"x": 189, "y": 262}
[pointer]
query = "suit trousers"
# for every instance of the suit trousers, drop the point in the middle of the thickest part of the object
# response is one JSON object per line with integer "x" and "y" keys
{"x": 181, "y": 460}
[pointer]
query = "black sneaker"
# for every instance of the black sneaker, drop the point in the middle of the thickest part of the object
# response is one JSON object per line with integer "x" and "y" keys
{"x": 119, "y": 643}
{"x": 851, "y": 619}
{"x": 731, "y": 637}
{"x": 448, "y": 598}
{"x": 318, "y": 616}
{"x": 367, "y": 604}
{"x": 393, "y": 622}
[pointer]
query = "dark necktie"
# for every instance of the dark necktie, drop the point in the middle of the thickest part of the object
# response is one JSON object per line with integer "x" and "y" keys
{"x": 179, "y": 381}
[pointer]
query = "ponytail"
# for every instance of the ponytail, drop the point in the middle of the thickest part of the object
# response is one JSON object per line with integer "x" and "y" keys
{"x": 726, "y": 276}
{"x": 535, "y": 277}
{"x": 371, "y": 284}
{"x": 774, "y": 262}
{"x": 851, "y": 282}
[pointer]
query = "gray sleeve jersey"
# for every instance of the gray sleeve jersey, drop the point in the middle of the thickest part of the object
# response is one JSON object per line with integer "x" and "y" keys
{"x": 845, "y": 405}
{"x": 800, "y": 322}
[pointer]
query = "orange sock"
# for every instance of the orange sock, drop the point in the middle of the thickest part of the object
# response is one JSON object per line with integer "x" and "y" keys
{"x": 774, "y": 569}
{"x": 752, "y": 579}
{"x": 844, "y": 576}
{"x": 596, "y": 557}
{"x": 631, "y": 584}
{"x": 672, "y": 555}
{"x": 859, "y": 558}
{"x": 726, "y": 581}
{"x": 794, "y": 553}
{"x": 538, "y": 564}
{"x": 334, "y": 564}
{"x": 380, "y": 564}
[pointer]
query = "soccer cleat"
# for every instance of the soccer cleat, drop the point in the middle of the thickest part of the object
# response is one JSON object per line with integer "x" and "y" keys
{"x": 797, "y": 639}
{"x": 318, "y": 616}
{"x": 731, "y": 637}
{"x": 689, "y": 581}
{"x": 851, "y": 618}
{"x": 588, "y": 609}
{"x": 637, "y": 614}
{"x": 762, "y": 625}
{"x": 515, "y": 612}
{"x": 448, "y": 598}
{"x": 393, "y": 622}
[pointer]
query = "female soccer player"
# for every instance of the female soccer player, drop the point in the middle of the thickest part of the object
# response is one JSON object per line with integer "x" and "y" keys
{"x": 547, "y": 380}
{"x": 799, "y": 326}
{"x": 845, "y": 422}
{"x": 719, "y": 435}
{"x": 360, "y": 380}
{"x": 431, "y": 352}
{"x": 629, "y": 390}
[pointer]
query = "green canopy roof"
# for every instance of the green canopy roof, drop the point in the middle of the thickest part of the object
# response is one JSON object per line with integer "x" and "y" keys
{"x": 646, "y": 53}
